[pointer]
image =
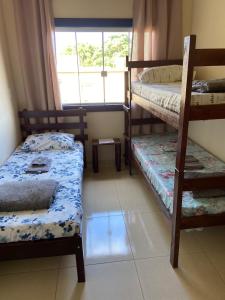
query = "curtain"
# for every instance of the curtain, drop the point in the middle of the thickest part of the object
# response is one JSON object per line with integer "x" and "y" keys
{"x": 157, "y": 29}
{"x": 157, "y": 34}
{"x": 29, "y": 38}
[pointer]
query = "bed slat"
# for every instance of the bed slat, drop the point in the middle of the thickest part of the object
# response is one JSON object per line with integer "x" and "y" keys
{"x": 207, "y": 112}
{"x": 208, "y": 57}
{"x": 152, "y": 63}
{"x": 53, "y": 126}
{"x": 211, "y": 182}
{"x": 165, "y": 115}
{"x": 52, "y": 113}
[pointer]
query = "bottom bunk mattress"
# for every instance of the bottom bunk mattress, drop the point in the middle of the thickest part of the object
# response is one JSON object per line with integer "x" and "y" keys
{"x": 156, "y": 153}
{"x": 64, "y": 216}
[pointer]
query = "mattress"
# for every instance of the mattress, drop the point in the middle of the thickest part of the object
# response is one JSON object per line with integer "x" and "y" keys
{"x": 64, "y": 217}
{"x": 168, "y": 95}
{"x": 156, "y": 154}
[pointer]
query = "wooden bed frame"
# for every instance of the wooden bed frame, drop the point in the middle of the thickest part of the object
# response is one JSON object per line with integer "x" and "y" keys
{"x": 192, "y": 58}
{"x": 50, "y": 121}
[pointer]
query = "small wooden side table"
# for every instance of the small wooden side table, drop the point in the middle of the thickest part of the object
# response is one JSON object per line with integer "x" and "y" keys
{"x": 101, "y": 142}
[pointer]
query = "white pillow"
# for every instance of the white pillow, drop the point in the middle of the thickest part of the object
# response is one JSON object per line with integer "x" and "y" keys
{"x": 49, "y": 141}
{"x": 161, "y": 74}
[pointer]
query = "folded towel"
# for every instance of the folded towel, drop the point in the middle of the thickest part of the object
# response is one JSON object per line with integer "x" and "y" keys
{"x": 27, "y": 195}
{"x": 40, "y": 161}
{"x": 39, "y": 165}
{"x": 209, "y": 86}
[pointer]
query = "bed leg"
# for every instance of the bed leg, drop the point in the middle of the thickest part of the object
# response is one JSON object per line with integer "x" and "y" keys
{"x": 126, "y": 152}
{"x": 130, "y": 162}
{"x": 80, "y": 260}
{"x": 176, "y": 219}
{"x": 175, "y": 243}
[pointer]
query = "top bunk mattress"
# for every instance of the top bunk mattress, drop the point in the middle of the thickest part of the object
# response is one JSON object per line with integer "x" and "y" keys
{"x": 64, "y": 216}
{"x": 168, "y": 95}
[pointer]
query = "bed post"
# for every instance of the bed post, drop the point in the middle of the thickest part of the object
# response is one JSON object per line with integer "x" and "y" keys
{"x": 129, "y": 117}
{"x": 80, "y": 259}
{"x": 126, "y": 119}
{"x": 189, "y": 47}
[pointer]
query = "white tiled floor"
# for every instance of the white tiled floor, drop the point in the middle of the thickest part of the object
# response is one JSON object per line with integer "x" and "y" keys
{"x": 126, "y": 244}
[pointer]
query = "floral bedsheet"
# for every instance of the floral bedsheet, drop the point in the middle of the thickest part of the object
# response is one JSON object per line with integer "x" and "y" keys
{"x": 64, "y": 216}
{"x": 157, "y": 154}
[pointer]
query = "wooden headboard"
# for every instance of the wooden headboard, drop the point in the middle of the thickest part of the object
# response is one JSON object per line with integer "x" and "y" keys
{"x": 36, "y": 121}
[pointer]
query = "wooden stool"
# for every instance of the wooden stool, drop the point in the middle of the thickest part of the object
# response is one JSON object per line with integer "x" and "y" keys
{"x": 102, "y": 142}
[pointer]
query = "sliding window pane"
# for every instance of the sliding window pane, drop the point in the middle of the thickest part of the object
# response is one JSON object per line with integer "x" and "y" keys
{"x": 90, "y": 53}
{"x": 115, "y": 51}
{"x": 114, "y": 87}
{"x": 67, "y": 67}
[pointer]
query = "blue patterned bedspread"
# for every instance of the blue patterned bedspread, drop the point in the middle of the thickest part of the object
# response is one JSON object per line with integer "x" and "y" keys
{"x": 157, "y": 154}
{"x": 64, "y": 216}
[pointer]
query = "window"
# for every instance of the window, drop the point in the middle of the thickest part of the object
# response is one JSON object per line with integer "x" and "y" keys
{"x": 91, "y": 63}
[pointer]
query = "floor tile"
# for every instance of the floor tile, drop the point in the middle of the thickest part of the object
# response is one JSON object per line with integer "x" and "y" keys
{"x": 29, "y": 286}
{"x": 134, "y": 195}
{"x": 150, "y": 235}
{"x": 195, "y": 279}
{"x": 100, "y": 197}
{"x": 67, "y": 261}
{"x": 218, "y": 260}
{"x": 212, "y": 239}
{"x": 29, "y": 265}
{"x": 104, "y": 282}
{"x": 106, "y": 240}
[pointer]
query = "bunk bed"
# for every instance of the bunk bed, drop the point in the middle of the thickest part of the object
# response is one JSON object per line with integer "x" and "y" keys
{"x": 165, "y": 169}
{"x": 57, "y": 230}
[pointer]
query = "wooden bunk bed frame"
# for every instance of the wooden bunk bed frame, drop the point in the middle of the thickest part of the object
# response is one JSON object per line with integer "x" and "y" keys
{"x": 192, "y": 58}
{"x": 58, "y": 246}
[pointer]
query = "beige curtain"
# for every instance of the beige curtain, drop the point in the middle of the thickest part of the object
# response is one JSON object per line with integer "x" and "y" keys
{"x": 29, "y": 36}
{"x": 157, "y": 35}
{"x": 157, "y": 29}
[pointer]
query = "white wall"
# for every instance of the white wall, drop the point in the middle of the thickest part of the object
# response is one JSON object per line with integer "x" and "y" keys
{"x": 9, "y": 129}
{"x": 187, "y": 16}
{"x": 208, "y": 24}
{"x": 93, "y": 8}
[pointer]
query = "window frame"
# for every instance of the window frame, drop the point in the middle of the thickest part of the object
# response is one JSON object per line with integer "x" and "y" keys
{"x": 93, "y": 24}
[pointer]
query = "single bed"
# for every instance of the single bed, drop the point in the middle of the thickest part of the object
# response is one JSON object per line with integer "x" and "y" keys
{"x": 63, "y": 218}
{"x": 58, "y": 230}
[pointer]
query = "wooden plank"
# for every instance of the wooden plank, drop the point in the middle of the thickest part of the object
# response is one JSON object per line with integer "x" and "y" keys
{"x": 146, "y": 121}
{"x": 165, "y": 115}
{"x": 51, "y": 113}
{"x": 39, "y": 248}
{"x": 203, "y": 221}
{"x": 53, "y": 126}
{"x": 208, "y": 57}
{"x": 82, "y": 138}
{"x": 152, "y": 63}
{"x": 207, "y": 112}
{"x": 214, "y": 182}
